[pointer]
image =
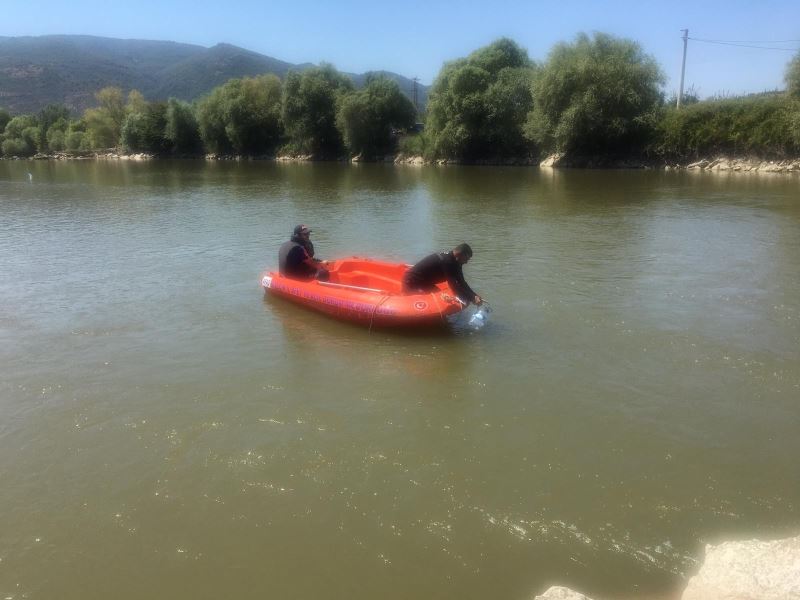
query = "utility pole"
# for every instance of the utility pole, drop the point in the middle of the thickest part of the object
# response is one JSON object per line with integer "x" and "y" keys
{"x": 416, "y": 106}
{"x": 683, "y": 66}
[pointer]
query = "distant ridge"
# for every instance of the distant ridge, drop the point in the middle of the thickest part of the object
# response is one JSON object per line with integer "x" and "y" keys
{"x": 69, "y": 69}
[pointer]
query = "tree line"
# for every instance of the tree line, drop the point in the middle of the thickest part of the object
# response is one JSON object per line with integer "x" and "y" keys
{"x": 316, "y": 111}
{"x": 598, "y": 95}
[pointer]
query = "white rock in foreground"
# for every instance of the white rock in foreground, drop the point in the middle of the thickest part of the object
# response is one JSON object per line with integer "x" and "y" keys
{"x": 751, "y": 570}
{"x": 561, "y": 593}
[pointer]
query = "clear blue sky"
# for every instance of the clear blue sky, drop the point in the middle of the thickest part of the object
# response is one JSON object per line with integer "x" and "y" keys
{"x": 414, "y": 37}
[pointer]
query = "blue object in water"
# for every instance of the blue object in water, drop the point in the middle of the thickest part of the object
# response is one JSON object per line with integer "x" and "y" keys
{"x": 479, "y": 317}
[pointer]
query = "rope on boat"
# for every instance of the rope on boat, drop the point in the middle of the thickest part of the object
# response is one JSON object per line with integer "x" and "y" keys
{"x": 375, "y": 309}
{"x": 438, "y": 306}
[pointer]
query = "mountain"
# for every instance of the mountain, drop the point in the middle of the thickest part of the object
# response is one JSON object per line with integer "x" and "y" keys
{"x": 69, "y": 69}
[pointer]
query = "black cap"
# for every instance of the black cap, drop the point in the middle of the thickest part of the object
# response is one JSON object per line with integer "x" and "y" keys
{"x": 301, "y": 229}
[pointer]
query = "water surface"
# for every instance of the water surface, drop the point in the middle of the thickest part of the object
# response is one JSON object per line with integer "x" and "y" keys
{"x": 167, "y": 432}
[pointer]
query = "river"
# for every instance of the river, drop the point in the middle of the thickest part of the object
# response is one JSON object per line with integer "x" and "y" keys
{"x": 168, "y": 432}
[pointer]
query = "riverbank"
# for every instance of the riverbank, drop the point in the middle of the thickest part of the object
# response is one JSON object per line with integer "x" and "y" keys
{"x": 744, "y": 164}
{"x": 751, "y": 569}
{"x": 558, "y": 161}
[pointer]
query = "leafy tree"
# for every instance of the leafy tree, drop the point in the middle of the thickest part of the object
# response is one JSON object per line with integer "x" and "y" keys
{"x": 597, "y": 95}
{"x": 101, "y": 131}
{"x": 211, "y": 121}
{"x": 309, "y": 110}
{"x": 20, "y": 136}
{"x": 75, "y": 137}
{"x": 136, "y": 103}
{"x": 794, "y": 125}
{"x": 112, "y": 101}
{"x": 5, "y": 117}
{"x": 55, "y": 135}
{"x": 104, "y": 123}
{"x": 76, "y": 140}
{"x": 366, "y": 117}
{"x": 242, "y": 116}
{"x": 143, "y": 130}
{"x": 18, "y": 124}
{"x": 17, "y": 147}
{"x": 478, "y": 105}
{"x": 56, "y": 139}
{"x": 254, "y": 115}
{"x": 49, "y": 115}
{"x": 793, "y": 77}
{"x": 182, "y": 131}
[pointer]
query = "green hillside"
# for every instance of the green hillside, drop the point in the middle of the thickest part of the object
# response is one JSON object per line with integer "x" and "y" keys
{"x": 69, "y": 69}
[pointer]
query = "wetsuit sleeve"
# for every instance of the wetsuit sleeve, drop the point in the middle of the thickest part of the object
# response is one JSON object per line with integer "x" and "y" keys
{"x": 455, "y": 277}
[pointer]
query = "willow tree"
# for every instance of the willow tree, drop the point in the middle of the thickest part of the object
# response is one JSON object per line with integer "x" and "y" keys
{"x": 182, "y": 131}
{"x": 478, "y": 105}
{"x": 104, "y": 122}
{"x": 143, "y": 130}
{"x": 793, "y": 77}
{"x": 242, "y": 116}
{"x": 309, "y": 110}
{"x": 367, "y": 117}
{"x": 51, "y": 120}
{"x": 5, "y": 117}
{"x": 599, "y": 94}
{"x": 20, "y": 136}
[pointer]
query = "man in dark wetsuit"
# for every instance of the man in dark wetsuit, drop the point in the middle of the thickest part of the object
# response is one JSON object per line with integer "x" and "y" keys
{"x": 296, "y": 257}
{"x": 439, "y": 267}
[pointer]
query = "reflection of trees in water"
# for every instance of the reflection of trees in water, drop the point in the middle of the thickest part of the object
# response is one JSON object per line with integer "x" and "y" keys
{"x": 316, "y": 343}
{"x": 475, "y": 183}
{"x": 327, "y": 181}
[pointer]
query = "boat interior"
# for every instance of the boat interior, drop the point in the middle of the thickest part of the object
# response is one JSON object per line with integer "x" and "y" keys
{"x": 367, "y": 276}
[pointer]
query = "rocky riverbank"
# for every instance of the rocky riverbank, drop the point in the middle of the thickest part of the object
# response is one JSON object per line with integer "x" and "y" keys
{"x": 720, "y": 163}
{"x": 560, "y": 161}
{"x": 743, "y": 570}
{"x": 743, "y": 165}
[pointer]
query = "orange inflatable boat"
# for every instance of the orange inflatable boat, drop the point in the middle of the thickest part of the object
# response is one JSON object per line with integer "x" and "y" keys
{"x": 367, "y": 291}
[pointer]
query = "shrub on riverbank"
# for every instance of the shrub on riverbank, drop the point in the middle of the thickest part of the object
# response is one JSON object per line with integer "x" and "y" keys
{"x": 414, "y": 144}
{"x": 765, "y": 125}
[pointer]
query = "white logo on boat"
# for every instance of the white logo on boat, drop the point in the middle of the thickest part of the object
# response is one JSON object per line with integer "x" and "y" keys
{"x": 266, "y": 281}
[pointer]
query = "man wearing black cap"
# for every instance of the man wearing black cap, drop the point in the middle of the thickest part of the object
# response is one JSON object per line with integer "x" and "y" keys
{"x": 438, "y": 267}
{"x": 296, "y": 257}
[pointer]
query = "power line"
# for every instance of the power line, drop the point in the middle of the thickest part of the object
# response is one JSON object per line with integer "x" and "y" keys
{"x": 754, "y": 41}
{"x": 738, "y": 45}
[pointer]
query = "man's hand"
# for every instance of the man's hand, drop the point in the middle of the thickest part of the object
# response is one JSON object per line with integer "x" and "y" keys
{"x": 478, "y": 300}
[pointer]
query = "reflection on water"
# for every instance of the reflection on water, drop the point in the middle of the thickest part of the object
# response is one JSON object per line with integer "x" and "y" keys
{"x": 631, "y": 398}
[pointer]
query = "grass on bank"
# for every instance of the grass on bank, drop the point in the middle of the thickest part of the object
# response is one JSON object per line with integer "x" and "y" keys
{"x": 766, "y": 125}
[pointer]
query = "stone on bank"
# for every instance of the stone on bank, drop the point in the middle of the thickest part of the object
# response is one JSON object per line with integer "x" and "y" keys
{"x": 744, "y": 570}
{"x": 752, "y": 570}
